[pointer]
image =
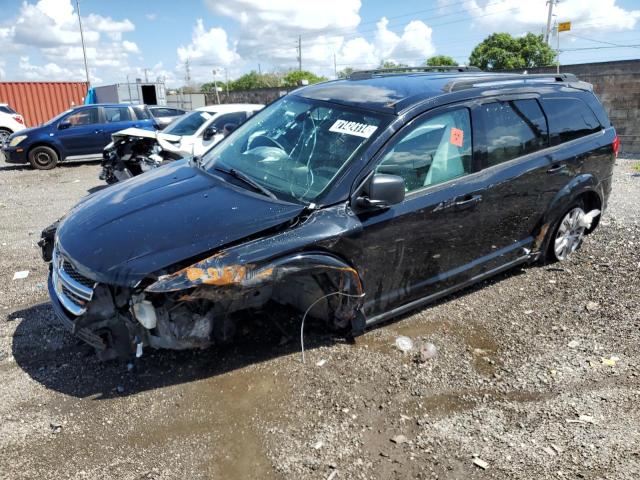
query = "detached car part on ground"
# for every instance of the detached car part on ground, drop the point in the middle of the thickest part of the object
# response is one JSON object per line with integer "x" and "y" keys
{"x": 134, "y": 151}
{"x": 355, "y": 201}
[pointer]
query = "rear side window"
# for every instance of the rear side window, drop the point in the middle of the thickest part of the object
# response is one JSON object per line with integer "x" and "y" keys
{"x": 142, "y": 112}
{"x": 569, "y": 118}
{"x": 117, "y": 114}
{"x": 7, "y": 109}
{"x": 432, "y": 151}
{"x": 512, "y": 129}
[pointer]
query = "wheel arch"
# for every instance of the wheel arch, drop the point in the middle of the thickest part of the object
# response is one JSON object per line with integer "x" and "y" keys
{"x": 52, "y": 146}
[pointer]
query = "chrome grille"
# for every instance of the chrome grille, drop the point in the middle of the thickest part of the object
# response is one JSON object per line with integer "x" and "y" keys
{"x": 72, "y": 289}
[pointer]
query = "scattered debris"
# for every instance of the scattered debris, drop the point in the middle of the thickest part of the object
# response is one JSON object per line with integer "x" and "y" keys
{"x": 549, "y": 451}
{"x": 592, "y": 306}
{"x": 610, "y": 362}
{"x": 21, "y": 274}
{"x": 56, "y": 427}
{"x": 426, "y": 351}
{"x": 528, "y": 312}
{"x": 581, "y": 419}
{"x": 478, "y": 462}
{"x": 399, "y": 439}
{"x": 321, "y": 363}
{"x": 318, "y": 445}
{"x": 332, "y": 475}
{"x": 573, "y": 344}
{"x": 404, "y": 344}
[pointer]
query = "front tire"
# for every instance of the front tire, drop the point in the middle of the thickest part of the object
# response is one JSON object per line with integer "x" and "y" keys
{"x": 43, "y": 158}
{"x": 4, "y": 135}
{"x": 567, "y": 235}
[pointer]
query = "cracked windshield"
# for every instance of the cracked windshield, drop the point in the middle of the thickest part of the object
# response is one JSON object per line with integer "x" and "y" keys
{"x": 295, "y": 148}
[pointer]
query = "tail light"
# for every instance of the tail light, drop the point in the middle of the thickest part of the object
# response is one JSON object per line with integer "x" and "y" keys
{"x": 616, "y": 145}
{"x": 19, "y": 119}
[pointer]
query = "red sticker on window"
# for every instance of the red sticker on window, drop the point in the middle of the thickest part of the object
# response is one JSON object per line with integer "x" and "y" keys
{"x": 457, "y": 137}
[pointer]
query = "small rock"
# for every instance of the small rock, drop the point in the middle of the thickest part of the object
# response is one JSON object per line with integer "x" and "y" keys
{"x": 573, "y": 344}
{"x": 480, "y": 463}
{"x": 404, "y": 344}
{"x": 56, "y": 427}
{"x": 426, "y": 352}
{"x": 318, "y": 445}
{"x": 21, "y": 274}
{"x": 592, "y": 306}
{"x": 321, "y": 363}
{"x": 549, "y": 451}
{"x": 399, "y": 439}
{"x": 528, "y": 312}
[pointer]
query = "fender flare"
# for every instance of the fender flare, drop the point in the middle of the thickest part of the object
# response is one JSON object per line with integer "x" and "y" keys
{"x": 578, "y": 186}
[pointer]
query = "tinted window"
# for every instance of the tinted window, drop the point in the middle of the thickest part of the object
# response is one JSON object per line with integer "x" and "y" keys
{"x": 117, "y": 114}
{"x": 6, "y": 109}
{"x": 236, "y": 118}
{"x": 165, "y": 112}
{"x": 433, "y": 151}
{"x": 142, "y": 112}
{"x": 87, "y": 116}
{"x": 513, "y": 129}
{"x": 569, "y": 118}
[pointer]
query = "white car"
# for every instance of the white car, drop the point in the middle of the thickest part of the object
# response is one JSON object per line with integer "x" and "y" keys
{"x": 196, "y": 132}
{"x": 10, "y": 122}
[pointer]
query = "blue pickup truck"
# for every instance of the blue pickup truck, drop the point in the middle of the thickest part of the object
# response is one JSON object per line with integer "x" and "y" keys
{"x": 79, "y": 133}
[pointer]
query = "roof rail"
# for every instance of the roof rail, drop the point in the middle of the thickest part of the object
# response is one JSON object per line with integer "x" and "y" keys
{"x": 503, "y": 79}
{"x": 362, "y": 74}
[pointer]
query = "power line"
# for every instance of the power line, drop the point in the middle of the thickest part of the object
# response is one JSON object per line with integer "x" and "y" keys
{"x": 599, "y": 41}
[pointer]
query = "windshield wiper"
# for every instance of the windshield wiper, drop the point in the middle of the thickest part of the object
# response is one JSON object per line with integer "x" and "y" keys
{"x": 244, "y": 178}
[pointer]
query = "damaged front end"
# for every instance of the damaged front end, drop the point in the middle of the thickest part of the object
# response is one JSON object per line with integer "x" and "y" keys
{"x": 199, "y": 305}
{"x": 134, "y": 151}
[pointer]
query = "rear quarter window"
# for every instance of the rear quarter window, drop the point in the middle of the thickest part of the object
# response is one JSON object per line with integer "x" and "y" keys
{"x": 142, "y": 112}
{"x": 6, "y": 109}
{"x": 569, "y": 118}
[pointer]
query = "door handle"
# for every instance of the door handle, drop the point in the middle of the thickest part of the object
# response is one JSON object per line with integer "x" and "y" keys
{"x": 556, "y": 168}
{"x": 467, "y": 201}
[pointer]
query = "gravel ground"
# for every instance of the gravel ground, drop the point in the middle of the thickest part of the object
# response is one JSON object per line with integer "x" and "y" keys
{"x": 536, "y": 374}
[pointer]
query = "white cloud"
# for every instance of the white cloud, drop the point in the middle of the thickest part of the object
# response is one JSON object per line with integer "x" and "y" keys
{"x": 151, "y": 16}
{"x": 532, "y": 14}
{"x": 50, "y": 29}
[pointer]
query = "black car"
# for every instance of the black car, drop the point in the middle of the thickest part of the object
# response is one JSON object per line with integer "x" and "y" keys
{"x": 353, "y": 201}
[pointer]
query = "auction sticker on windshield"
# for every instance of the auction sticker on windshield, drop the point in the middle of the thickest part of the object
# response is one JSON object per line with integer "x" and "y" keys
{"x": 353, "y": 128}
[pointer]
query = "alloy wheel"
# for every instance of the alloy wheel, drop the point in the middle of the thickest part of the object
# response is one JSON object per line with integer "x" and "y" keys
{"x": 569, "y": 235}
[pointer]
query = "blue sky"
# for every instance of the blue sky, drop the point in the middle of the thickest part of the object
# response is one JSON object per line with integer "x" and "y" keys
{"x": 40, "y": 39}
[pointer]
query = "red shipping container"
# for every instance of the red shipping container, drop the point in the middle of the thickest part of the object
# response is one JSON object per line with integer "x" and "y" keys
{"x": 37, "y": 102}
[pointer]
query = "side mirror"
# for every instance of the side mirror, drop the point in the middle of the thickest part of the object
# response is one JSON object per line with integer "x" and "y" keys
{"x": 64, "y": 125}
{"x": 209, "y": 132}
{"x": 383, "y": 191}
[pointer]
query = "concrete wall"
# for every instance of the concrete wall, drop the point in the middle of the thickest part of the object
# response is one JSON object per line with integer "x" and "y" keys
{"x": 258, "y": 95}
{"x": 617, "y": 84}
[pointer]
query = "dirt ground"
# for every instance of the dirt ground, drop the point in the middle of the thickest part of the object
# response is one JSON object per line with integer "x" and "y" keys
{"x": 536, "y": 373}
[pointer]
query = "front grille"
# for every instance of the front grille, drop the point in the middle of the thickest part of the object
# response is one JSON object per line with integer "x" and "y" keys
{"x": 73, "y": 273}
{"x": 72, "y": 289}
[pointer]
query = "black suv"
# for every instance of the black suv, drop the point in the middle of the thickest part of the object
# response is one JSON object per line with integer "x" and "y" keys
{"x": 353, "y": 201}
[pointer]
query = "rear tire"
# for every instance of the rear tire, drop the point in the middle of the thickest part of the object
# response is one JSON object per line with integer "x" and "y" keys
{"x": 567, "y": 235}
{"x": 43, "y": 158}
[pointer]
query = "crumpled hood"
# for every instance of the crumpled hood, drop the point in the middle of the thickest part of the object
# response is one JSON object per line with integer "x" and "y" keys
{"x": 125, "y": 232}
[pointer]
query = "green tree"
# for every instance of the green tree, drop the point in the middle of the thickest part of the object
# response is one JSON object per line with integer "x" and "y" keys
{"x": 254, "y": 79}
{"x": 440, "y": 60}
{"x": 294, "y": 77}
{"x": 391, "y": 64}
{"x": 500, "y": 51}
{"x": 345, "y": 72}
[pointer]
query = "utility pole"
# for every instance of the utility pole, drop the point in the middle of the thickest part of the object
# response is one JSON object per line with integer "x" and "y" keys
{"x": 146, "y": 75}
{"x": 557, "y": 28}
{"x": 300, "y": 52}
{"x": 335, "y": 67}
{"x": 215, "y": 85}
{"x": 226, "y": 81}
{"x": 547, "y": 33}
{"x": 84, "y": 51}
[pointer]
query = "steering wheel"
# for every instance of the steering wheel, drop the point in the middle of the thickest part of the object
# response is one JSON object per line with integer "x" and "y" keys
{"x": 270, "y": 141}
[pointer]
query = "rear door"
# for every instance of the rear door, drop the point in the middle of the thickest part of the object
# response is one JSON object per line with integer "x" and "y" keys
{"x": 84, "y": 134}
{"x": 513, "y": 136}
{"x": 117, "y": 118}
